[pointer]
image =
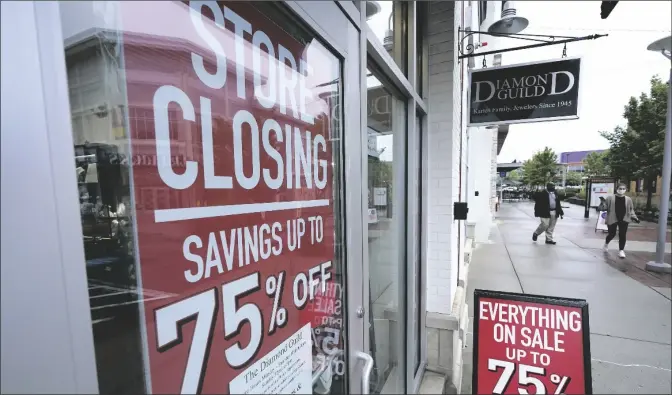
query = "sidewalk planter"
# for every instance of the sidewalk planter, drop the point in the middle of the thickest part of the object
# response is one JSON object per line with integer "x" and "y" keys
{"x": 577, "y": 200}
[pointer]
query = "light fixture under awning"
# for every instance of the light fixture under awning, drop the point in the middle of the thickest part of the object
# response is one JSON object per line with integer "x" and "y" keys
{"x": 606, "y": 7}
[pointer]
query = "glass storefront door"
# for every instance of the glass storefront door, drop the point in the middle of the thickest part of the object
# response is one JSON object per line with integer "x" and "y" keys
{"x": 210, "y": 156}
{"x": 386, "y": 128}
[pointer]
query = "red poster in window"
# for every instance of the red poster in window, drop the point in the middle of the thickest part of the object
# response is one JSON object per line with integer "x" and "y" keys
{"x": 530, "y": 344}
{"x": 235, "y": 135}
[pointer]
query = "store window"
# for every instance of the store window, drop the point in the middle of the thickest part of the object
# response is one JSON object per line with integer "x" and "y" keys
{"x": 386, "y": 126}
{"x": 388, "y": 20}
{"x": 210, "y": 195}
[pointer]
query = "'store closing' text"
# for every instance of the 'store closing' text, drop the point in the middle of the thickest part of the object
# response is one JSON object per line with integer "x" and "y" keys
{"x": 240, "y": 240}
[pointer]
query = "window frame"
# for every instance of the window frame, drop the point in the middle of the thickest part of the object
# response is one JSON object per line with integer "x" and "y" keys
{"x": 37, "y": 37}
{"x": 413, "y": 90}
{"x": 46, "y": 38}
{"x": 71, "y": 338}
{"x": 482, "y": 12}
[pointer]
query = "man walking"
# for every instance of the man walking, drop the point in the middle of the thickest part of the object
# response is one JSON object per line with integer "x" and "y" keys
{"x": 547, "y": 208}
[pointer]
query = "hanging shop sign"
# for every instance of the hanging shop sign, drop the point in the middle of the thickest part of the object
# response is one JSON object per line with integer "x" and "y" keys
{"x": 253, "y": 270}
{"x": 530, "y": 344}
{"x": 379, "y": 110}
{"x": 531, "y": 92}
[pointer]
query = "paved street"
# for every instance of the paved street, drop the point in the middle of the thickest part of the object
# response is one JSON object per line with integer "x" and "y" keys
{"x": 630, "y": 308}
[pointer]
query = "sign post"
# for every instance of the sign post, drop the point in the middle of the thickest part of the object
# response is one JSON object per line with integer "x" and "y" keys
{"x": 531, "y": 92}
{"x": 586, "y": 204}
{"x": 530, "y": 344}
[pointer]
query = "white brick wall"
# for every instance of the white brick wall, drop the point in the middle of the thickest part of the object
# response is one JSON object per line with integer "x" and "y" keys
{"x": 480, "y": 180}
{"x": 443, "y": 156}
{"x": 482, "y": 149}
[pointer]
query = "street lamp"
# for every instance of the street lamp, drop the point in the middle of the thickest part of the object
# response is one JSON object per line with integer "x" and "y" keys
{"x": 664, "y": 46}
{"x": 510, "y": 22}
{"x": 372, "y": 8}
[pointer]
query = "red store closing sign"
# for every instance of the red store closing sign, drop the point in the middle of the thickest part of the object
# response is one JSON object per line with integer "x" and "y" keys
{"x": 251, "y": 240}
{"x": 530, "y": 344}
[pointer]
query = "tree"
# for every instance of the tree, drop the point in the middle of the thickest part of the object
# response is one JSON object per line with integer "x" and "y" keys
{"x": 541, "y": 168}
{"x": 637, "y": 150}
{"x": 619, "y": 157}
{"x": 380, "y": 176}
{"x": 573, "y": 178}
{"x": 514, "y": 175}
{"x": 596, "y": 164}
{"x": 529, "y": 173}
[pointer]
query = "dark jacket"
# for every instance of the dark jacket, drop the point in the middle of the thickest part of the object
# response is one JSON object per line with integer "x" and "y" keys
{"x": 542, "y": 207}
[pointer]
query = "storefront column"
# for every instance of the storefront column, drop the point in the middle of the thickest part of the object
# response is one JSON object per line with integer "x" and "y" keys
{"x": 47, "y": 345}
{"x": 446, "y": 146}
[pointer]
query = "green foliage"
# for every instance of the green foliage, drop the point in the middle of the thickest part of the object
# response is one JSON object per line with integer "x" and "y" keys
{"x": 380, "y": 175}
{"x": 573, "y": 178}
{"x": 570, "y": 193}
{"x": 541, "y": 168}
{"x": 621, "y": 161}
{"x": 596, "y": 164}
{"x": 566, "y": 194}
{"x": 636, "y": 152}
{"x": 515, "y": 175}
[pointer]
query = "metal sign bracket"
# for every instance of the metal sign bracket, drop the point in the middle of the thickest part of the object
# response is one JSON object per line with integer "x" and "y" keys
{"x": 541, "y": 39}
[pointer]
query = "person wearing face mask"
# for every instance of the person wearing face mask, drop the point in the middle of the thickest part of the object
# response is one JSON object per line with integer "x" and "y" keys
{"x": 620, "y": 211}
{"x": 547, "y": 208}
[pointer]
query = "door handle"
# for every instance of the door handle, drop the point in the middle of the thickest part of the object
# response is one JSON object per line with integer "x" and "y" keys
{"x": 368, "y": 367}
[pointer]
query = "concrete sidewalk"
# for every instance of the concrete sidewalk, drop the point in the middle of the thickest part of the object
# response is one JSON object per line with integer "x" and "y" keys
{"x": 630, "y": 309}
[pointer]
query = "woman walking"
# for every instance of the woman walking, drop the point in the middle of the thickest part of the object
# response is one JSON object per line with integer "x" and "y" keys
{"x": 620, "y": 211}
